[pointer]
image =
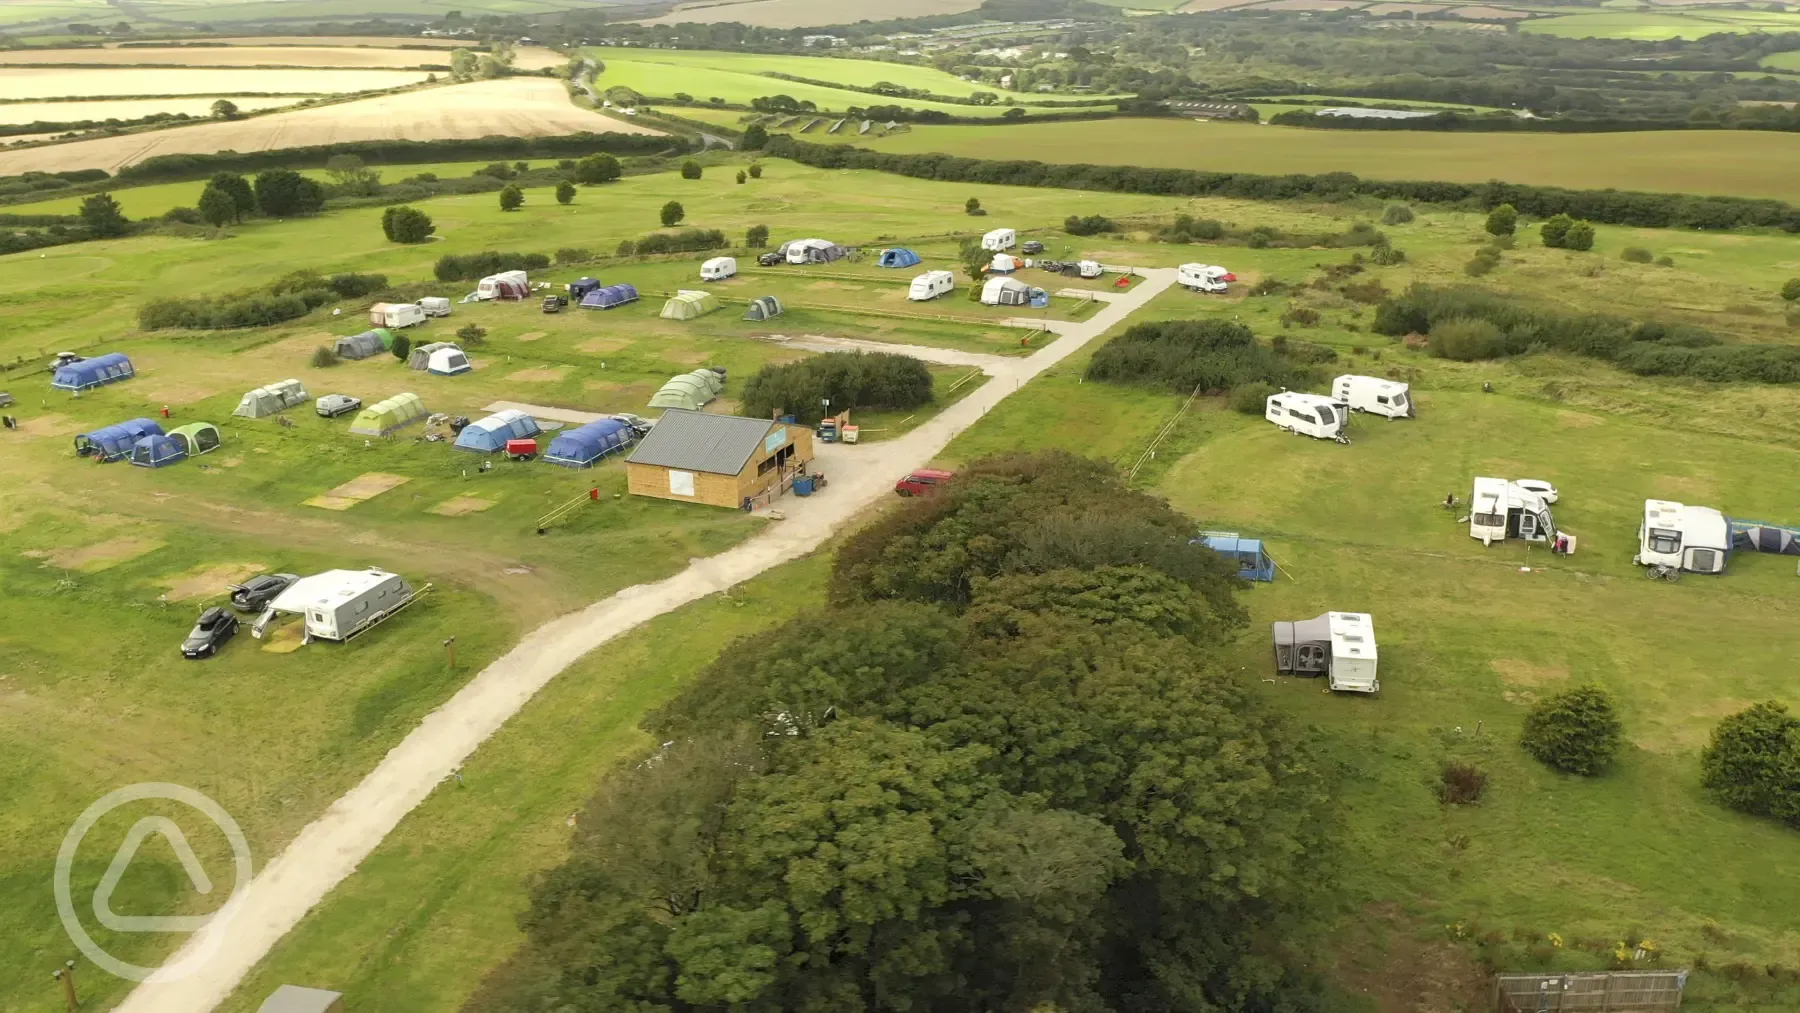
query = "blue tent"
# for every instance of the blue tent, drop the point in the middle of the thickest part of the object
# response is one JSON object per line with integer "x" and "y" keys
{"x": 157, "y": 451}
{"x": 582, "y": 286}
{"x": 97, "y": 371}
{"x": 1252, "y": 561}
{"x": 110, "y": 443}
{"x": 1040, "y": 299}
{"x": 489, "y": 435}
{"x": 608, "y": 296}
{"x": 899, "y": 256}
{"x": 580, "y": 448}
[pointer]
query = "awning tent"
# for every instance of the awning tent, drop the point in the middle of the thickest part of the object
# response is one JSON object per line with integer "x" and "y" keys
{"x": 688, "y": 304}
{"x": 1005, "y": 292}
{"x": 489, "y": 435}
{"x": 276, "y": 397}
{"x": 385, "y": 417}
{"x": 157, "y": 451}
{"x": 448, "y": 362}
{"x": 95, "y": 372}
{"x": 684, "y": 391}
{"x": 763, "y": 308}
{"x": 898, "y": 256}
{"x": 109, "y": 443}
{"x": 582, "y": 446}
{"x": 1252, "y": 560}
{"x": 197, "y": 437}
{"x": 361, "y": 346}
{"x": 607, "y": 296}
{"x": 420, "y": 356}
{"x": 1303, "y": 647}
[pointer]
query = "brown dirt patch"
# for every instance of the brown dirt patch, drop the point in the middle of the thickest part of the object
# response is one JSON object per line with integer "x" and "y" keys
{"x": 1515, "y": 672}
{"x": 49, "y": 425}
{"x": 284, "y": 639}
{"x": 530, "y": 336}
{"x": 229, "y": 462}
{"x": 210, "y": 581}
{"x": 362, "y": 487}
{"x": 605, "y": 344}
{"x": 1387, "y": 961}
{"x": 551, "y": 374}
{"x": 461, "y": 505}
{"x": 101, "y": 555}
{"x": 840, "y": 285}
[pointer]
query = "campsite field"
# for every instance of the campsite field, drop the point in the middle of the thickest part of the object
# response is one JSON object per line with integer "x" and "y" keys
{"x": 1744, "y": 163}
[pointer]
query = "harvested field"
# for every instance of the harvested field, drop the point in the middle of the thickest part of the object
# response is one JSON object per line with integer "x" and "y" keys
{"x": 520, "y": 107}
{"x": 1403, "y": 8}
{"x": 363, "y": 487}
{"x": 377, "y": 41}
{"x": 1305, "y": 5}
{"x": 1201, "y": 6}
{"x": 80, "y": 82}
{"x": 799, "y": 13}
{"x": 125, "y": 109}
{"x": 351, "y": 57}
{"x": 1489, "y": 13}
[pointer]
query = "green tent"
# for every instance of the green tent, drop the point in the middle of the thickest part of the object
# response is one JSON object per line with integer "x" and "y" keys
{"x": 384, "y": 417}
{"x": 198, "y": 437}
{"x": 688, "y": 304}
{"x": 763, "y": 308}
{"x": 685, "y": 391}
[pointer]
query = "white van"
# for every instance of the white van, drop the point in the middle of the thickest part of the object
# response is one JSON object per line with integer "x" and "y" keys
{"x": 718, "y": 269}
{"x": 1204, "y": 277}
{"x": 1089, "y": 268}
{"x": 1374, "y": 395}
{"x": 1314, "y": 415}
{"x": 396, "y": 314}
{"x": 1691, "y": 538}
{"x": 1000, "y": 240}
{"x": 435, "y": 306}
{"x": 930, "y": 285}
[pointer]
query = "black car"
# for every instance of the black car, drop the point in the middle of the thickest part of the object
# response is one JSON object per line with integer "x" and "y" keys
{"x": 771, "y": 259}
{"x": 255, "y": 594}
{"x": 1032, "y": 246}
{"x": 214, "y": 628}
{"x": 555, "y": 303}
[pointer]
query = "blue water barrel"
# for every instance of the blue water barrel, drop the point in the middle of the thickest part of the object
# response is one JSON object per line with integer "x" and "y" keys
{"x": 803, "y": 485}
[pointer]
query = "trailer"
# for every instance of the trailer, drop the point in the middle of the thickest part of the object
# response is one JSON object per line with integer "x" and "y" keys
{"x": 1337, "y": 645}
{"x": 396, "y": 314}
{"x": 1388, "y": 398}
{"x": 1000, "y": 240}
{"x": 1314, "y": 415}
{"x": 1681, "y": 538}
{"x": 339, "y": 604}
{"x": 1502, "y": 508}
{"x": 930, "y": 285}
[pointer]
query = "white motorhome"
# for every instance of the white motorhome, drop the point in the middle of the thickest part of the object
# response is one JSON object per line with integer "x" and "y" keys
{"x": 396, "y": 314}
{"x": 1500, "y": 509}
{"x": 718, "y": 269}
{"x": 338, "y": 604}
{"x": 1204, "y": 277}
{"x": 1337, "y": 645}
{"x": 930, "y": 285}
{"x": 1000, "y": 240}
{"x": 1314, "y": 415}
{"x": 1088, "y": 268}
{"x": 1692, "y": 538}
{"x": 435, "y": 306}
{"x": 1374, "y": 395}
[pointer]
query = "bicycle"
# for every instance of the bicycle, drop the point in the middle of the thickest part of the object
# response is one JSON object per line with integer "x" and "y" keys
{"x": 1657, "y": 571}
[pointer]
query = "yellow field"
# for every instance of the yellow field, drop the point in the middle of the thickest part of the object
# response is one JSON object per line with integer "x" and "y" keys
{"x": 378, "y": 41}
{"x": 124, "y": 109}
{"x": 800, "y": 13}
{"x": 352, "y": 57}
{"x": 75, "y": 82}
{"x": 518, "y": 107}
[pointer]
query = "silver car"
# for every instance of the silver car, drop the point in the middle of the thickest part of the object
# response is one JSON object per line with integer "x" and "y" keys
{"x": 332, "y": 405}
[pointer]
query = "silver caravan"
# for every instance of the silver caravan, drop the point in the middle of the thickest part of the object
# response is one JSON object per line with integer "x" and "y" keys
{"x": 1374, "y": 395}
{"x": 1500, "y": 509}
{"x": 1690, "y": 538}
{"x": 1337, "y": 645}
{"x": 1314, "y": 415}
{"x": 339, "y": 604}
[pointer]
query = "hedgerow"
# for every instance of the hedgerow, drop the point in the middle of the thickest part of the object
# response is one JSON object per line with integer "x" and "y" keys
{"x": 848, "y": 379}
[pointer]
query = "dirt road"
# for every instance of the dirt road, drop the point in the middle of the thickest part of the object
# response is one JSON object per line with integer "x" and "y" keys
{"x": 329, "y": 849}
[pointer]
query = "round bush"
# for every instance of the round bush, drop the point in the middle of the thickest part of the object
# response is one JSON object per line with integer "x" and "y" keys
{"x": 1466, "y": 339}
{"x": 1251, "y": 398}
{"x": 1752, "y": 763}
{"x": 1576, "y": 731}
{"x": 1396, "y": 214}
{"x": 1636, "y": 255}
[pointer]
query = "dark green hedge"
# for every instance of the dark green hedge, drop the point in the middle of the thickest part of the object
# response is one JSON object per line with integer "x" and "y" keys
{"x": 401, "y": 152}
{"x": 475, "y": 266}
{"x": 871, "y": 380}
{"x": 1211, "y": 355}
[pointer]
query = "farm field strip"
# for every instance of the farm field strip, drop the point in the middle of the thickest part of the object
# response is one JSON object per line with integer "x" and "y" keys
{"x": 801, "y": 13}
{"x": 1654, "y": 25}
{"x": 103, "y": 82}
{"x": 286, "y": 57}
{"x": 844, "y": 71}
{"x": 125, "y": 109}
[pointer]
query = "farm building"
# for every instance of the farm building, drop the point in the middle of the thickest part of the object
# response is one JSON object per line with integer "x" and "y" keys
{"x": 392, "y": 415}
{"x": 276, "y": 397}
{"x": 420, "y": 356}
{"x": 581, "y": 447}
{"x": 1005, "y": 292}
{"x": 447, "y": 362}
{"x": 692, "y": 391}
{"x": 157, "y": 451}
{"x": 197, "y": 437}
{"x": 687, "y": 304}
{"x": 718, "y": 460}
{"x": 607, "y": 296}
{"x": 95, "y": 372}
{"x": 109, "y": 443}
{"x": 338, "y": 604}
{"x": 489, "y": 435}
{"x": 899, "y": 256}
{"x": 361, "y": 346}
{"x": 505, "y": 285}
{"x": 1253, "y": 561}
{"x": 763, "y": 308}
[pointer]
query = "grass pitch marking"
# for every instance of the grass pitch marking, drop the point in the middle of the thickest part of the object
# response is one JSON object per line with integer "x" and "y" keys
{"x": 363, "y": 487}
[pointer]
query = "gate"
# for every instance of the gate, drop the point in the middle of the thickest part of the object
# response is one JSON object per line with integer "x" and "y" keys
{"x": 1590, "y": 992}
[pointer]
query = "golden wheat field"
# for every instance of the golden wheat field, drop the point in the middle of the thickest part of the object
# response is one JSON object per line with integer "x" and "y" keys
{"x": 349, "y": 57}
{"x": 137, "y": 82}
{"x": 125, "y": 109}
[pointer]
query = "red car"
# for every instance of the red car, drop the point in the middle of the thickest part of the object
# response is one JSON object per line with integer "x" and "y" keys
{"x": 923, "y": 482}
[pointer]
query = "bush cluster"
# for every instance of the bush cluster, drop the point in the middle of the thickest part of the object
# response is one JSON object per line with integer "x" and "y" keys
{"x": 1088, "y": 225}
{"x": 874, "y": 380}
{"x": 1188, "y": 229}
{"x": 1752, "y": 763}
{"x": 1565, "y": 233}
{"x": 1576, "y": 731}
{"x": 1212, "y": 355}
{"x": 475, "y": 266}
{"x": 685, "y": 241}
{"x": 288, "y": 297}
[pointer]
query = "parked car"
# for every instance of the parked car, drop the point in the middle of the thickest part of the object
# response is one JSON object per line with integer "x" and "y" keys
{"x": 1539, "y": 486}
{"x": 332, "y": 405}
{"x": 923, "y": 482}
{"x": 555, "y": 303}
{"x": 255, "y": 594}
{"x": 6, "y": 400}
{"x": 1031, "y": 246}
{"x": 65, "y": 359}
{"x": 770, "y": 259}
{"x": 214, "y": 628}
{"x": 638, "y": 423}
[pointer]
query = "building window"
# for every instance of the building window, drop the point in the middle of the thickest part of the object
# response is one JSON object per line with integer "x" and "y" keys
{"x": 681, "y": 483}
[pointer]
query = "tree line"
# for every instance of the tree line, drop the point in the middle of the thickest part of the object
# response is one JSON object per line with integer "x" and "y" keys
{"x": 165, "y": 167}
{"x": 286, "y": 298}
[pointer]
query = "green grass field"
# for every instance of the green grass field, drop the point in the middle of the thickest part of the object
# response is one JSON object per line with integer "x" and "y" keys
{"x": 1653, "y": 25}
{"x": 1784, "y": 61}
{"x": 1745, "y": 163}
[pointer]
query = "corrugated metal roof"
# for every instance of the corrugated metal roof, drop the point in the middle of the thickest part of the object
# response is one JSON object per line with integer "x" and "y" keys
{"x": 696, "y": 441}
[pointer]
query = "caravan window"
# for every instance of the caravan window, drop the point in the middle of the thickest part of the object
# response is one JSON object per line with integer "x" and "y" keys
{"x": 1302, "y": 416}
{"x": 1326, "y": 417}
{"x": 1664, "y": 541}
{"x": 1489, "y": 520}
{"x": 1381, "y": 399}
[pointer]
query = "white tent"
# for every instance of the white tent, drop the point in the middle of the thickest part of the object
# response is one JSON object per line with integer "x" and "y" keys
{"x": 1005, "y": 263}
{"x": 447, "y": 362}
{"x": 1005, "y": 292}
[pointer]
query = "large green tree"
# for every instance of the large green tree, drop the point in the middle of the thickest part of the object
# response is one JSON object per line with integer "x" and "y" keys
{"x": 242, "y": 195}
{"x": 102, "y": 216}
{"x": 284, "y": 192}
{"x": 217, "y": 207}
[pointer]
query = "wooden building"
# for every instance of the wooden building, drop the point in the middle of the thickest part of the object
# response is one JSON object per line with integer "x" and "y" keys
{"x": 719, "y": 460}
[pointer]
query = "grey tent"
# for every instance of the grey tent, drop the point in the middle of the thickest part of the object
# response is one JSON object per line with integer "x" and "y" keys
{"x": 1304, "y": 647}
{"x": 359, "y": 346}
{"x": 1756, "y": 536}
{"x": 420, "y": 357}
{"x": 763, "y": 308}
{"x": 266, "y": 401}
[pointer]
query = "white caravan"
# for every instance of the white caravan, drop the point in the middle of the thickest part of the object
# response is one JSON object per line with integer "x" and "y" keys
{"x": 1088, "y": 268}
{"x": 1337, "y": 645}
{"x": 435, "y": 306}
{"x": 339, "y": 604}
{"x": 1000, "y": 240}
{"x": 1500, "y": 509}
{"x": 718, "y": 269}
{"x": 1692, "y": 538}
{"x": 930, "y": 285}
{"x": 1312, "y": 415}
{"x": 396, "y": 314}
{"x": 1374, "y": 395}
{"x": 1204, "y": 277}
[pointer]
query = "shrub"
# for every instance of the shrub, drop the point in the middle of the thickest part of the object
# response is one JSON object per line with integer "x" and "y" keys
{"x": 1466, "y": 340}
{"x": 184, "y": 216}
{"x": 755, "y": 170}
{"x": 687, "y": 240}
{"x": 498, "y": 170}
{"x": 472, "y": 334}
{"x": 574, "y": 255}
{"x": 741, "y": 177}
{"x": 1636, "y": 255}
{"x": 972, "y": 206}
{"x": 1384, "y": 255}
{"x": 402, "y": 346}
{"x": 1181, "y": 355}
{"x": 598, "y": 169}
{"x": 1791, "y": 290}
{"x": 217, "y": 207}
{"x": 565, "y": 192}
{"x": 324, "y": 356}
{"x": 1580, "y": 237}
{"x": 1461, "y": 783}
{"x": 1752, "y": 763}
{"x": 1087, "y": 225}
{"x": 874, "y": 380}
{"x": 406, "y": 225}
{"x": 1502, "y": 220}
{"x": 1665, "y": 261}
{"x": 282, "y": 192}
{"x": 1576, "y": 731}
{"x": 1303, "y": 316}
{"x": 511, "y": 198}
{"x": 690, "y": 169}
{"x": 672, "y": 213}
{"x": 755, "y": 136}
{"x": 756, "y": 236}
{"x": 1369, "y": 292}
{"x": 1396, "y": 214}
{"x": 471, "y": 266}
{"x": 1555, "y": 231}
{"x": 1484, "y": 261}
{"x": 1252, "y": 398}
